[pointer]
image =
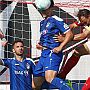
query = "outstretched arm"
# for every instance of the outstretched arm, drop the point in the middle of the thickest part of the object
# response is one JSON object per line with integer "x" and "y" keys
{"x": 60, "y": 38}
{"x": 1, "y": 62}
{"x": 77, "y": 37}
{"x": 81, "y": 36}
{"x": 4, "y": 43}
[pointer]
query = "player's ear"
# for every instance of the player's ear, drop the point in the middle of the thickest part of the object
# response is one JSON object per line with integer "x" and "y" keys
{"x": 13, "y": 50}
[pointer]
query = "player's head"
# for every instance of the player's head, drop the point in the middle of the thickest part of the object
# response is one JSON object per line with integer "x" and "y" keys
{"x": 45, "y": 8}
{"x": 18, "y": 47}
{"x": 84, "y": 16}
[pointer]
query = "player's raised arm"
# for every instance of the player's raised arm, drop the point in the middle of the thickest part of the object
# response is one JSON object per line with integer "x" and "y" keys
{"x": 60, "y": 38}
{"x": 1, "y": 62}
{"x": 3, "y": 43}
{"x": 81, "y": 36}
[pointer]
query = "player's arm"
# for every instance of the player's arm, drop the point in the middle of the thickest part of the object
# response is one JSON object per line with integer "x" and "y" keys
{"x": 60, "y": 38}
{"x": 1, "y": 62}
{"x": 39, "y": 47}
{"x": 68, "y": 37}
{"x": 77, "y": 37}
{"x": 82, "y": 35}
{"x": 4, "y": 43}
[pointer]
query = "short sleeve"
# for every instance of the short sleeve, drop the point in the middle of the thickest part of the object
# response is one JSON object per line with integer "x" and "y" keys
{"x": 6, "y": 62}
{"x": 61, "y": 25}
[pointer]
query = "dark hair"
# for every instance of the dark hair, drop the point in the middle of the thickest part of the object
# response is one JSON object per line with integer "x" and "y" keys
{"x": 83, "y": 12}
{"x": 52, "y": 3}
{"x": 16, "y": 41}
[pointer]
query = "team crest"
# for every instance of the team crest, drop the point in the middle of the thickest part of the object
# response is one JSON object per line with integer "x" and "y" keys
{"x": 27, "y": 66}
{"x": 44, "y": 32}
{"x": 48, "y": 24}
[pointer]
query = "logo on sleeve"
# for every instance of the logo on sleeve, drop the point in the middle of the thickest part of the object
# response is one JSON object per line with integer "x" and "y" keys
{"x": 66, "y": 26}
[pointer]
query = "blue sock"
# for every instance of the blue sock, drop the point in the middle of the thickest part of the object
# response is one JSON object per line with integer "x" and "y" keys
{"x": 60, "y": 84}
{"x": 47, "y": 85}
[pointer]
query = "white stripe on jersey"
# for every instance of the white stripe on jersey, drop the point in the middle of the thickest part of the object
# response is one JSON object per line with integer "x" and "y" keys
{"x": 65, "y": 25}
{"x": 30, "y": 60}
{"x": 57, "y": 18}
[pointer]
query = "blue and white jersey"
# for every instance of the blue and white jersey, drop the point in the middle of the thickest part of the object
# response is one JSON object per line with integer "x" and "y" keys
{"x": 20, "y": 73}
{"x": 48, "y": 28}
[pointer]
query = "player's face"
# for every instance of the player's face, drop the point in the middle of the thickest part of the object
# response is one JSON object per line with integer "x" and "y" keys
{"x": 46, "y": 13}
{"x": 84, "y": 20}
{"x": 18, "y": 48}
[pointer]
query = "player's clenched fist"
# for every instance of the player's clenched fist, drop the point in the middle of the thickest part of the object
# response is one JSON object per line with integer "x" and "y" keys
{"x": 57, "y": 49}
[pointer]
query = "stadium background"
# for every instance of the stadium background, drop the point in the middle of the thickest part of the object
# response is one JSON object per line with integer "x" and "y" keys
{"x": 20, "y": 20}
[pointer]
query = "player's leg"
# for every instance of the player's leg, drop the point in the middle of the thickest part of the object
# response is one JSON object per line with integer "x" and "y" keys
{"x": 51, "y": 67}
{"x": 54, "y": 82}
{"x": 87, "y": 83}
{"x": 73, "y": 60}
{"x": 37, "y": 82}
{"x": 39, "y": 74}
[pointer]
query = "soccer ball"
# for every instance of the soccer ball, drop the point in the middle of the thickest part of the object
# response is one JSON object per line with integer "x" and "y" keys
{"x": 42, "y": 4}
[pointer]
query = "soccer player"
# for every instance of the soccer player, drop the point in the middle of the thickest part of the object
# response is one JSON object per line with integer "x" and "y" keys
{"x": 21, "y": 68}
{"x": 84, "y": 18}
{"x": 86, "y": 86}
{"x": 51, "y": 55}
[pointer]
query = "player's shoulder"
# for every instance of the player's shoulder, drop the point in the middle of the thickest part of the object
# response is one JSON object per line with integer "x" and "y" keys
{"x": 57, "y": 18}
{"x": 29, "y": 59}
{"x": 10, "y": 58}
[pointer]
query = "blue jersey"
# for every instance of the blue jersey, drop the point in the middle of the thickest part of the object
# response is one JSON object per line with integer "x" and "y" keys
{"x": 48, "y": 28}
{"x": 20, "y": 73}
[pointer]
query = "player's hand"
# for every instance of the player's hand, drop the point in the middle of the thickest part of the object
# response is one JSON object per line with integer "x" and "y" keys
{"x": 4, "y": 43}
{"x": 39, "y": 47}
{"x": 58, "y": 38}
{"x": 57, "y": 49}
{"x": 1, "y": 35}
{"x": 87, "y": 28}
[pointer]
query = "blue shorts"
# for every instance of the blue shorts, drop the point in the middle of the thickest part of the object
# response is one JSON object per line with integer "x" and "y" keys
{"x": 48, "y": 61}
